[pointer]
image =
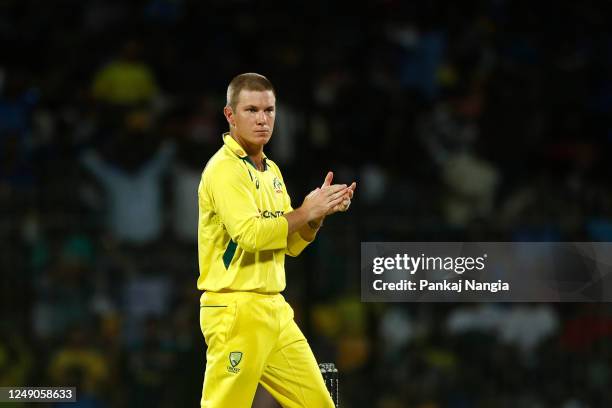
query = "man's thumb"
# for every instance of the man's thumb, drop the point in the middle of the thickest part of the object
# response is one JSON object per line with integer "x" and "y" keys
{"x": 328, "y": 179}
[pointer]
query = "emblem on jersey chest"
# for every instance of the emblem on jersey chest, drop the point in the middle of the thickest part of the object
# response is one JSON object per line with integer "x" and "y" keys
{"x": 278, "y": 186}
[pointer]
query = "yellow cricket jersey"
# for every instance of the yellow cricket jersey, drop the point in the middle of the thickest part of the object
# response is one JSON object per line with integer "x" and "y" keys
{"x": 242, "y": 235}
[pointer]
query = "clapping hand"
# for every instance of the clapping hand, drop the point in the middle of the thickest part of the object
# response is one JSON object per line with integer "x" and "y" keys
{"x": 347, "y": 195}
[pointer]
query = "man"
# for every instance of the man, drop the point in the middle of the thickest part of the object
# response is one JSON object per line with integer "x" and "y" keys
{"x": 246, "y": 226}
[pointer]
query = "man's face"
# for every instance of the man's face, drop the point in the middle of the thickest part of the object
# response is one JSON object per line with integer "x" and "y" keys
{"x": 253, "y": 118}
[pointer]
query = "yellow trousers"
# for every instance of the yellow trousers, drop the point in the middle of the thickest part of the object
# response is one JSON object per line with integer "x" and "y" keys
{"x": 252, "y": 338}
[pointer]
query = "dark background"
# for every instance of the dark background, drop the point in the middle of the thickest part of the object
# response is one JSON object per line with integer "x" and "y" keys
{"x": 466, "y": 121}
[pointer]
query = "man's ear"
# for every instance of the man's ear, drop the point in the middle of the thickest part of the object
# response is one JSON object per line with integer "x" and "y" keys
{"x": 229, "y": 116}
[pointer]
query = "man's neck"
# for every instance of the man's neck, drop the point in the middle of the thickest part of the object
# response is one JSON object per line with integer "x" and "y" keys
{"x": 255, "y": 153}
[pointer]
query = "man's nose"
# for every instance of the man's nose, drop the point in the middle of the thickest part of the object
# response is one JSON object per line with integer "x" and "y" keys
{"x": 261, "y": 118}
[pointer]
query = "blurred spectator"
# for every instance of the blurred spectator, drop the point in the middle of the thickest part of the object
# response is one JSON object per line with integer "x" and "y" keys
{"x": 79, "y": 361}
{"x": 62, "y": 296}
{"x": 471, "y": 184}
{"x": 484, "y": 318}
{"x": 126, "y": 80}
{"x": 374, "y": 182}
{"x": 134, "y": 194}
{"x": 528, "y": 327}
{"x": 76, "y": 377}
{"x": 397, "y": 329}
{"x": 420, "y": 54}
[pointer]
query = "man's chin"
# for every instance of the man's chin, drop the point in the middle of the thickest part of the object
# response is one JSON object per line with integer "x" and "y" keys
{"x": 263, "y": 138}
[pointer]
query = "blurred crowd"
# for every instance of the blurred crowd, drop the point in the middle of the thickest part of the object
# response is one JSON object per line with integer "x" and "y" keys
{"x": 487, "y": 121}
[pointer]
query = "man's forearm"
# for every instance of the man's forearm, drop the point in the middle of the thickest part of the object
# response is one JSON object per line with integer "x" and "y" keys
{"x": 298, "y": 222}
{"x": 296, "y": 219}
{"x": 309, "y": 231}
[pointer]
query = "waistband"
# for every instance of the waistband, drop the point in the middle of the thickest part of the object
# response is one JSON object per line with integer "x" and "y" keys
{"x": 234, "y": 294}
{"x": 243, "y": 291}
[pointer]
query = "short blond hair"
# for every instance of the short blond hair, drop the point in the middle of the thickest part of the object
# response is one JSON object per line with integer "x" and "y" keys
{"x": 249, "y": 81}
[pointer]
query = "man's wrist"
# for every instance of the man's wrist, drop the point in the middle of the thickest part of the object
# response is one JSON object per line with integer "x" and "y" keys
{"x": 315, "y": 224}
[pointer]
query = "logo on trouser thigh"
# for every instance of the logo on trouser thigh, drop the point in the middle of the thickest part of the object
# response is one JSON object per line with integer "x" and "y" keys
{"x": 235, "y": 357}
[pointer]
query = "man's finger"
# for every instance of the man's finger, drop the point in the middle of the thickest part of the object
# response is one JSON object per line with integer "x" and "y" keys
{"x": 338, "y": 194}
{"x": 335, "y": 188}
{"x": 351, "y": 189}
{"x": 332, "y": 204}
{"x": 312, "y": 192}
{"x": 328, "y": 179}
{"x": 346, "y": 204}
